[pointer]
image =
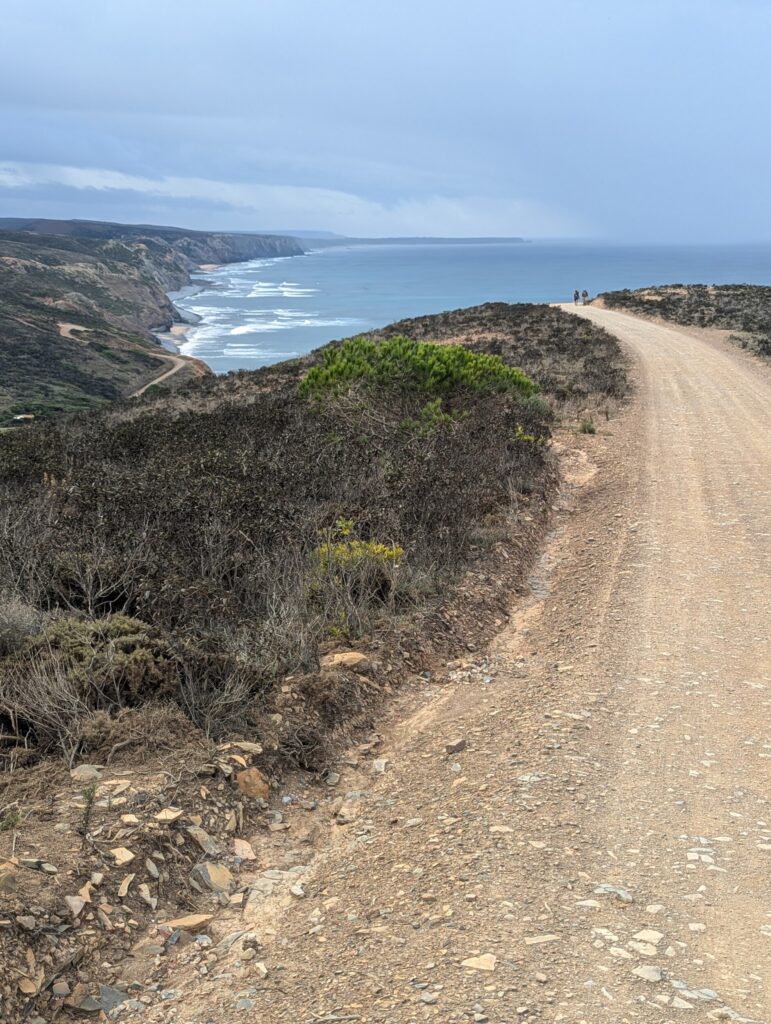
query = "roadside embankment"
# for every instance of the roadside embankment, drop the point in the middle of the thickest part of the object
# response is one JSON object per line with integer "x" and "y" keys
{"x": 214, "y": 593}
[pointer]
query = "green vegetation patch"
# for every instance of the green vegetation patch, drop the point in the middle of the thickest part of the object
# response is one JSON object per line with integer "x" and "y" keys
{"x": 110, "y": 662}
{"x": 413, "y": 366}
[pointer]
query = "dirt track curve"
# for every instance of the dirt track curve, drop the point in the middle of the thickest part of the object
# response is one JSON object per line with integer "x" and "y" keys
{"x": 600, "y": 851}
{"x": 177, "y": 363}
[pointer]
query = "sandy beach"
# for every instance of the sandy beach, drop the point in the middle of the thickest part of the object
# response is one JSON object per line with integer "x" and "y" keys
{"x": 173, "y": 337}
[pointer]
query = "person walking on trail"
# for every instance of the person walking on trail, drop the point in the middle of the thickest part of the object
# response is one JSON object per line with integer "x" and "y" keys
{"x": 585, "y": 296}
{"x": 575, "y": 297}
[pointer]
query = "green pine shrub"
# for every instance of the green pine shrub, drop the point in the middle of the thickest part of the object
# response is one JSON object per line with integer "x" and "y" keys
{"x": 412, "y": 366}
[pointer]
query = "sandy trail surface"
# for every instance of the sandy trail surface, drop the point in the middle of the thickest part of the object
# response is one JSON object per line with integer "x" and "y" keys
{"x": 177, "y": 363}
{"x": 595, "y": 844}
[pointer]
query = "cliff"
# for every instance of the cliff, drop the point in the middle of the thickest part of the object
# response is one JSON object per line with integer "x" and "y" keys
{"x": 80, "y": 301}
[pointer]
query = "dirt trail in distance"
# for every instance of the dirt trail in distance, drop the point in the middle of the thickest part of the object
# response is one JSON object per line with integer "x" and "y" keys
{"x": 597, "y": 847}
{"x": 177, "y": 363}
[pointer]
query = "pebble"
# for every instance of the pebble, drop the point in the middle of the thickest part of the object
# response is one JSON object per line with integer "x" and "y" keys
{"x": 86, "y": 774}
{"x": 190, "y": 921}
{"x": 648, "y": 972}
{"x": 75, "y": 904}
{"x": 613, "y": 890}
{"x": 204, "y": 840}
{"x": 212, "y": 876}
{"x": 681, "y": 1004}
{"x": 455, "y": 746}
{"x": 169, "y": 814}
{"x": 485, "y": 962}
{"x": 122, "y": 855}
{"x": 244, "y": 850}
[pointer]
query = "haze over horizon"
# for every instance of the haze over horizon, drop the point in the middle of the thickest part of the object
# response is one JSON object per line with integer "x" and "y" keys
{"x": 557, "y": 120}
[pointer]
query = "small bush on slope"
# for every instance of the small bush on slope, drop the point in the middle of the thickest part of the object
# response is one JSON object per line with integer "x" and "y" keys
{"x": 413, "y": 366}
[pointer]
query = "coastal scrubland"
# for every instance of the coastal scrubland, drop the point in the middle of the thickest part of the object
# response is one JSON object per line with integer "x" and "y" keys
{"x": 213, "y": 543}
{"x": 742, "y": 309}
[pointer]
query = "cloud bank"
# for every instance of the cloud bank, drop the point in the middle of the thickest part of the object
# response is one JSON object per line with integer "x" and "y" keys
{"x": 260, "y": 205}
{"x": 635, "y": 122}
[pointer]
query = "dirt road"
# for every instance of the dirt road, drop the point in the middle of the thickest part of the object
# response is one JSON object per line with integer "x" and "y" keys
{"x": 600, "y": 849}
{"x": 177, "y": 363}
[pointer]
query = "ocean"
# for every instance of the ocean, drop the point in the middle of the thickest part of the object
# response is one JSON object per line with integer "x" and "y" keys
{"x": 256, "y": 313}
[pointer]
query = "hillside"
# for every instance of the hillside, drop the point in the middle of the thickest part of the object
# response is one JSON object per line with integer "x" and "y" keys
{"x": 80, "y": 303}
{"x": 223, "y": 586}
{"x": 743, "y": 309}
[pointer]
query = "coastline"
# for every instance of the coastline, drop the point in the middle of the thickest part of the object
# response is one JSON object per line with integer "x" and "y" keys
{"x": 171, "y": 337}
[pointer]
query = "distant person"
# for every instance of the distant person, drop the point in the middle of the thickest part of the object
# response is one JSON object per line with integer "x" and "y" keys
{"x": 575, "y": 297}
{"x": 585, "y": 296}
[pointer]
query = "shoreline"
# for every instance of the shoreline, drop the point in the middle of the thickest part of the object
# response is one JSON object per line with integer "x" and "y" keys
{"x": 170, "y": 338}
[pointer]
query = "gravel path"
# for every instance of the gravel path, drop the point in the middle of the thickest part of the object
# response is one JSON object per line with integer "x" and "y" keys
{"x": 599, "y": 850}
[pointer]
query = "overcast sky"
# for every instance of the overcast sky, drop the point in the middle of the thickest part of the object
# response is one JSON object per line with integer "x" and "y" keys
{"x": 624, "y": 119}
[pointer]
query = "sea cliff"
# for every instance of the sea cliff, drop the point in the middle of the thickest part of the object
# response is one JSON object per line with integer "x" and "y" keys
{"x": 81, "y": 302}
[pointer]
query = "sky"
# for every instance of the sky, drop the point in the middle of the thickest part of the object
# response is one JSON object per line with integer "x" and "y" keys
{"x": 625, "y": 120}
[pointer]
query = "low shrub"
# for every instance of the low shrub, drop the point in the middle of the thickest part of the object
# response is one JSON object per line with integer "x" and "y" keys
{"x": 114, "y": 662}
{"x": 18, "y": 622}
{"x": 586, "y": 426}
{"x": 40, "y": 704}
{"x": 412, "y": 366}
{"x": 351, "y": 578}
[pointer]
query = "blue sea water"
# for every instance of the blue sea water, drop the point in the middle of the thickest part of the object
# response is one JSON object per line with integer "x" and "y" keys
{"x": 260, "y": 312}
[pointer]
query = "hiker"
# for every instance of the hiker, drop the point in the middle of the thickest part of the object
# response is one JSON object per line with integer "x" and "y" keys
{"x": 575, "y": 297}
{"x": 585, "y": 296}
